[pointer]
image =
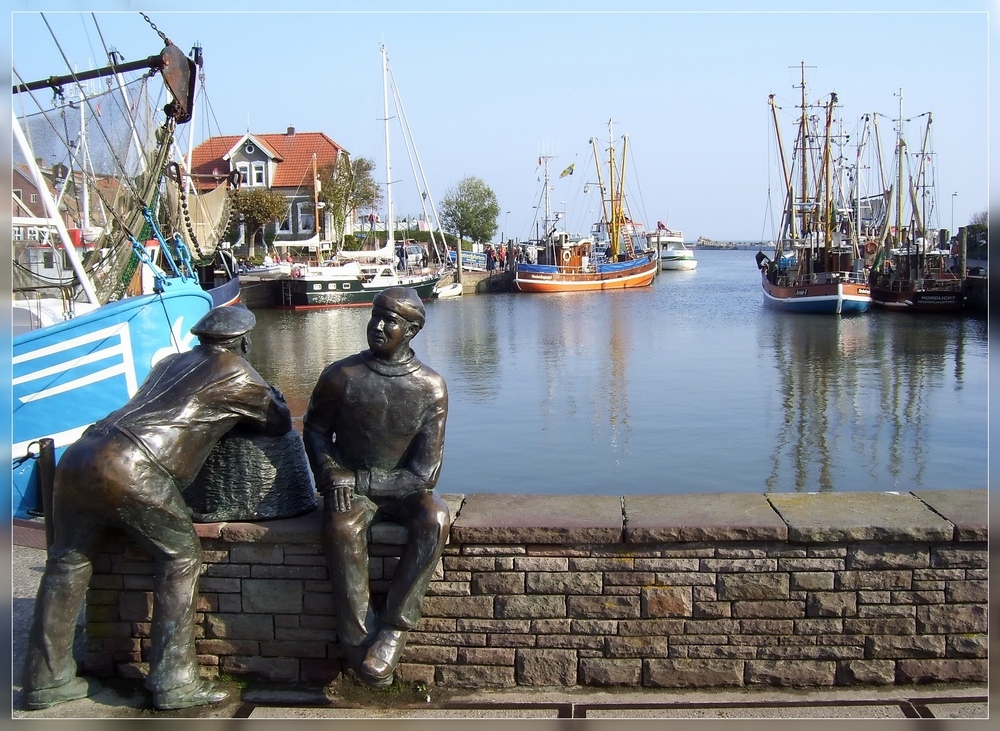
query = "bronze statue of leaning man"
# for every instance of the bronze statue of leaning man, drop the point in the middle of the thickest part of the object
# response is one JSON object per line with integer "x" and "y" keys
{"x": 374, "y": 434}
{"x": 128, "y": 471}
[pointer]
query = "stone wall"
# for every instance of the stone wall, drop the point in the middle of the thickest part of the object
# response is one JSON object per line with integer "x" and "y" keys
{"x": 654, "y": 590}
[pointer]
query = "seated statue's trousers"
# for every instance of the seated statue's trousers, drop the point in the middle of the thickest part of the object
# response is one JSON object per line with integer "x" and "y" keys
{"x": 345, "y": 543}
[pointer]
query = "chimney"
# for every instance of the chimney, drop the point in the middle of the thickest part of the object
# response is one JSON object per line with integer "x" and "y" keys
{"x": 291, "y": 131}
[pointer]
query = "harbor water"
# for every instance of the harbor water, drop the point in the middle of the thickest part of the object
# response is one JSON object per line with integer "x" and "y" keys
{"x": 691, "y": 385}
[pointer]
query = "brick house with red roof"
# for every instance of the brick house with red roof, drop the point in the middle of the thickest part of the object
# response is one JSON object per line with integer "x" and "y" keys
{"x": 281, "y": 162}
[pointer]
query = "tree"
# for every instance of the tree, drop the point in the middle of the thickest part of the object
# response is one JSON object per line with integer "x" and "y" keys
{"x": 259, "y": 207}
{"x": 347, "y": 186}
{"x": 471, "y": 209}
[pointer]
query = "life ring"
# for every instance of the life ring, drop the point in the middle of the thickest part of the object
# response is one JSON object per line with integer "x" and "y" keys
{"x": 870, "y": 247}
{"x": 566, "y": 255}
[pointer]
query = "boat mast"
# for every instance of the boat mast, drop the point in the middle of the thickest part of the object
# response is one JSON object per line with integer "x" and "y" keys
{"x": 900, "y": 154}
{"x": 388, "y": 166}
{"x": 788, "y": 218}
{"x": 614, "y": 224}
{"x": 803, "y": 164}
{"x": 828, "y": 185}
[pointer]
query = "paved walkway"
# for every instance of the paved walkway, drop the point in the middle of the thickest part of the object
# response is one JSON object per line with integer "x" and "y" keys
{"x": 128, "y": 699}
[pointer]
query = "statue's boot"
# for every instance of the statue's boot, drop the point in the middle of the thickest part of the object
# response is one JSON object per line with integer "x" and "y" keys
{"x": 73, "y": 690}
{"x": 383, "y": 655}
{"x": 199, "y": 693}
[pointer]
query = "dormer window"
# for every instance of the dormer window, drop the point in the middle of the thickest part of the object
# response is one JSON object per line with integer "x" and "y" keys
{"x": 258, "y": 174}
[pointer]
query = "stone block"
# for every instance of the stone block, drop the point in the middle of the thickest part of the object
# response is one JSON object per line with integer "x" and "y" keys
{"x": 859, "y": 516}
{"x": 274, "y": 596}
{"x": 732, "y": 565}
{"x": 791, "y": 672}
{"x": 571, "y": 642}
{"x": 635, "y": 646}
{"x": 602, "y": 607}
{"x": 474, "y": 676}
{"x": 811, "y": 581}
{"x": 603, "y": 672}
{"x": 256, "y": 553}
{"x": 227, "y": 647}
{"x": 594, "y": 626}
{"x": 240, "y": 626}
{"x": 966, "y": 509}
{"x": 529, "y": 606}
{"x": 866, "y": 672}
{"x": 667, "y": 518}
{"x": 818, "y": 626}
{"x": 879, "y": 556}
{"x": 942, "y": 671}
{"x": 967, "y": 592}
{"x": 776, "y": 609}
{"x": 545, "y": 667}
{"x": 525, "y": 519}
{"x": 448, "y": 588}
{"x": 414, "y": 673}
{"x": 900, "y": 646}
{"x": 485, "y": 656}
{"x": 831, "y": 604}
{"x": 967, "y": 558}
{"x": 885, "y": 579}
{"x": 711, "y": 610}
{"x": 563, "y": 582}
{"x": 430, "y": 654}
{"x": 656, "y": 601}
{"x": 541, "y": 563}
{"x": 752, "y": 586}
{"x": 497, "y": 582}
{"x": 651, "y": 627}
{"x": 720, "y": 652}
{"x": 697, "y": 673}
{"x": 952, "y": 618}
{"x": 967, "y": 645}
{"x": 492, "y": 626}
{"x": 458, "y": 606}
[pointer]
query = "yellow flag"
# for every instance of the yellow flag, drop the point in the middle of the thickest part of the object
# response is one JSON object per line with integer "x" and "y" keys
{"x": 567, "y": 171}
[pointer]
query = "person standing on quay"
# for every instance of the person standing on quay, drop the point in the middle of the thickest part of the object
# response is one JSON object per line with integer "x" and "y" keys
{"x": 374, "y": 434}
{"x": 128, "y": 471}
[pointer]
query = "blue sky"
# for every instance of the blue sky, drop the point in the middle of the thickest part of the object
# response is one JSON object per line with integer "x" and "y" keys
{"x": 486, "y": 92}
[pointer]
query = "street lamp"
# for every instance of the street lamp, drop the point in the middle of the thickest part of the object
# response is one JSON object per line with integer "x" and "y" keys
{"x": 953, "y": 212}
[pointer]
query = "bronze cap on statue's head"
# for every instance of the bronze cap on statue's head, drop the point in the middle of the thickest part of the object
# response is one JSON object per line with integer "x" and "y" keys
{"x": 404, "y": 301}
{"x": 224, "y": 323}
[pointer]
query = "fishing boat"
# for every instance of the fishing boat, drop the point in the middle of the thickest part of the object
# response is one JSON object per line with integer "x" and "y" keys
{"x": 674, "y": 255}
{"x": 354, "y": 278}
{"x": 911, "y": 272}
{"x": 828, "y": 273}
{"x": 85, "y": 341}
{"x": 571, "y": 263}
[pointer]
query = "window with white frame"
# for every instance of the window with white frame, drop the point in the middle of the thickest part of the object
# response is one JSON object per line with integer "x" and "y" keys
{"x": 244, "y": 170}
{"x": 306, "y": 218}
{"x": 286, "y": 225}
{"x": 258, "y": 174}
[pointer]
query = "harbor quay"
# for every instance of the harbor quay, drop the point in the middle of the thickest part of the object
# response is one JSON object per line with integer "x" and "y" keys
{"x": 685, "y": 592}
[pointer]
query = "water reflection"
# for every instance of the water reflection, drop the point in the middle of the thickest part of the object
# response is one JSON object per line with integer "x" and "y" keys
{"x": 686, "y": 386}
{"x": 865, "y": 391}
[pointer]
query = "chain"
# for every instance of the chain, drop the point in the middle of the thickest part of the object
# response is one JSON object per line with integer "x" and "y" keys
{"x": 163, "y": 37}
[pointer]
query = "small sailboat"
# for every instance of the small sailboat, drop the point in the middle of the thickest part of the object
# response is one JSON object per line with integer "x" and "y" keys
{"x": 354, "y": 278}
{"x": 571, "y": 264}
{"x": 827, "y": 275}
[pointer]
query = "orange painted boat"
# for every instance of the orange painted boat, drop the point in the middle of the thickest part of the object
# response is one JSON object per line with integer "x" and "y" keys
{"x": 571, "y": 265}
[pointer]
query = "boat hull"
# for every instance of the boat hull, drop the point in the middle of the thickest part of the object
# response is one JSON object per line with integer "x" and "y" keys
{"x": 624, "y": 275}
{"x": 316, "y": 292}
{"x": 837, "y": 297}
{"x": 918, "y": 300}
{"x": 678, "y": 264}
{"x": 67, "y": 376}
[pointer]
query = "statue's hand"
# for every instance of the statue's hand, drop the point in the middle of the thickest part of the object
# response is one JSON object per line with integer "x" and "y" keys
{"x": 341, "y": 496}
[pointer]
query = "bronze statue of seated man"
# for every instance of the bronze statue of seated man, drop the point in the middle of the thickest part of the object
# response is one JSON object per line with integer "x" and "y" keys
{"x": 374, "y": 434}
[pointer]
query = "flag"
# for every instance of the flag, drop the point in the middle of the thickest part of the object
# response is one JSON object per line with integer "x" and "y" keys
{"x": 567, "y": 171}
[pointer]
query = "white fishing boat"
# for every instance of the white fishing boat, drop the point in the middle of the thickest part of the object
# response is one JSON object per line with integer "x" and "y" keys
{"x": 87, "y": 340}
{"x": 673, "y": 254}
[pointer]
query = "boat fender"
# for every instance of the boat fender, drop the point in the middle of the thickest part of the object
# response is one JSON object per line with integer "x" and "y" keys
{"x": 566, "y": 255}
{"x": 871, "y": 248}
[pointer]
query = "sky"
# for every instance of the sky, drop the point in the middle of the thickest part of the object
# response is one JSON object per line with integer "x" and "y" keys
{"x": 487, "y": 88}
